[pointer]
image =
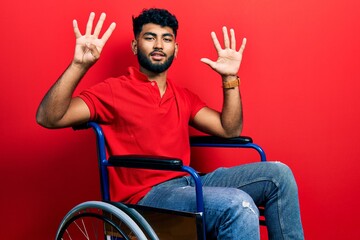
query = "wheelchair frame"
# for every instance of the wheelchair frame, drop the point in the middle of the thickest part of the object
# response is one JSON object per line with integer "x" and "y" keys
{"x": 128, "y": 214}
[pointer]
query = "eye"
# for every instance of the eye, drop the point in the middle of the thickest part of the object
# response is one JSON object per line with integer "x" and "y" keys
{"x": 149, "y": 38}
{"x": 168, "y": 39}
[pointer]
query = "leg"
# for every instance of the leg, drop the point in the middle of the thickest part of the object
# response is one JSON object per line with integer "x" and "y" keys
{"x": 270, "y": 184}
{"x": 229, "y": 212}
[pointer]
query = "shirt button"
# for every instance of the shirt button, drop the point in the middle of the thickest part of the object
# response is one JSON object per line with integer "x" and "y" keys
{"x": 153, "y": 83}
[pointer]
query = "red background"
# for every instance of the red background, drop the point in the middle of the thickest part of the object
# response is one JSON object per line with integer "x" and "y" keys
{"x": 300, "y": 82}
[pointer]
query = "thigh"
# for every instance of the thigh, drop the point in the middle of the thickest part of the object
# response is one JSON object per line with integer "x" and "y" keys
{"x": 230, "y": 213}
{"x": 259, "y": 179}
{"x": 180, "y": 195}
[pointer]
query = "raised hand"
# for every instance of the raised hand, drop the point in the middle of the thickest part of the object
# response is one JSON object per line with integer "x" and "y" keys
{"x": 229, "y": 59}
{"x": 89, "y": 46}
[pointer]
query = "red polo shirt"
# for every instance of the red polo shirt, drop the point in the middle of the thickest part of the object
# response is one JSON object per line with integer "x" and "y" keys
{"x": 136, "y": 120}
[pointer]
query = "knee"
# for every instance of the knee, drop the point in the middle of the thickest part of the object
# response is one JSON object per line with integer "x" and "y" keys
{"x": 231, "y": 214}
{"x": 228, "y": 201}
{"x": 284, "y": 176}
{"x": 240, "y": 213}
{"x": 240, "y": 205}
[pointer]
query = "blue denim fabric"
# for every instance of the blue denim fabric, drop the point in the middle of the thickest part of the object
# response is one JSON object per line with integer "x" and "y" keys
{"x": 230, "y": 199}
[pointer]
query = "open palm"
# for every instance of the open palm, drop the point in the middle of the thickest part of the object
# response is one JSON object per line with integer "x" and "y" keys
{"x": 89, "y": 46}
{"x": 229, "y": 60}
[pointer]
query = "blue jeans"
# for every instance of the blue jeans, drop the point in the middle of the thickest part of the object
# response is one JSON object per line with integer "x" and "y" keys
{"x": 230, "y": 199}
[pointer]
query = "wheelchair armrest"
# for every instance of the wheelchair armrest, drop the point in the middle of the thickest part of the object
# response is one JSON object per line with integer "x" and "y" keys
{"x": 82, "y": 126}
{"x": 195, "y": 140}
{"x": 159, "y": 163}
{"x": 146, "y": 162}
{"x": 236, "y": 142}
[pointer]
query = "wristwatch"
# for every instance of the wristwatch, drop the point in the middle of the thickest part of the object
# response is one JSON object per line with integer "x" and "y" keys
{"x": 232, "y": 84}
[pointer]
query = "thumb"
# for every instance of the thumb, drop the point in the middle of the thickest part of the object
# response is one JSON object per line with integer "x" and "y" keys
{"x": 93, "y": 50}
{"x": 208, "y": 62}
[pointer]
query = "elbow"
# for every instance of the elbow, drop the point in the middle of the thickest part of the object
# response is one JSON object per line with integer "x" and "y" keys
{"x": 231, "y": 126}
{"x": 237, "y": 133}
{"x": 231, "y": 133}
{"x": 43, "y": 120}
{"x": 40, "y": 119}
{"x": 46, "y": 124}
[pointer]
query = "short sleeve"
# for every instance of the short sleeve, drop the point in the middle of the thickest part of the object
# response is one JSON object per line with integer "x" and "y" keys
{"x": 99, "y": 99}
{"x": 195, "y": 103}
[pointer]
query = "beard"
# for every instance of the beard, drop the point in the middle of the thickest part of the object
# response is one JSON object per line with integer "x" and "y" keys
{"x": 146, "y": 63}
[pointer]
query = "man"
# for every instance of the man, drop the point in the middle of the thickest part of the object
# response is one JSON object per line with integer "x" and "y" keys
{"x": 144, "y": 112}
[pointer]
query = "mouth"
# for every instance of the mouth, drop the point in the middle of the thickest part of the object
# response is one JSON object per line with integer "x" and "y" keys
{"x": 157, "y": 56}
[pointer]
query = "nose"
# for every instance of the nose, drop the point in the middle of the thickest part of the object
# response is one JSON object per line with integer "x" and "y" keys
{"x": 158, "y": 44}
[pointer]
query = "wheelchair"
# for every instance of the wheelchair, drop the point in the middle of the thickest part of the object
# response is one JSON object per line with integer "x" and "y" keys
{"x": 114, "y": 220}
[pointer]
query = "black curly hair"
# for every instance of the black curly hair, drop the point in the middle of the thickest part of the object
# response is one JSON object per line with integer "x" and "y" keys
{"x": 157, "y": 16}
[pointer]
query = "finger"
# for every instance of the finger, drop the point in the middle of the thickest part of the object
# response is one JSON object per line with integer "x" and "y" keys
{"x": 89, "y": 24}
{"x": 99, "y": 24}
{"x": 243, "y": 44}
{"x": 93, "y": 50}
{"x": 76, "y": 29}
{"x": 108, "y": 32}
{"x": 208, "y": 62}
{"x": 226, "y": 37}
{"x": 233, "y": 39}
{"x": 215, "y": 41}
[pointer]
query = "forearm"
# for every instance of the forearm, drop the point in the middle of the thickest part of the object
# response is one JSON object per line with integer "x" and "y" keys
{"x": 231, "y": 114}
{"x": 57, "y": 100}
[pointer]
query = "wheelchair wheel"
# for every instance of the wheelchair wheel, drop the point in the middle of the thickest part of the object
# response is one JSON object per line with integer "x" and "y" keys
{"x": 101, "y": 220}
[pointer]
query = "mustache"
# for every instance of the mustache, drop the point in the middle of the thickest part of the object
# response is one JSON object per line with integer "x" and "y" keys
{"x": 158, "y": 52}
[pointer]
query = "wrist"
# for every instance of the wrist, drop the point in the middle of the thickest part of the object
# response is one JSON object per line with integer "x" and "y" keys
{"x": 230, "y": 82}
{"x": 79, "y": 66}
{"x": 228, "y": 78}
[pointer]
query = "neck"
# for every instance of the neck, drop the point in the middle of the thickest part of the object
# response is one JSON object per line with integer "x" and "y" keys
{"x": 159, "y": 78}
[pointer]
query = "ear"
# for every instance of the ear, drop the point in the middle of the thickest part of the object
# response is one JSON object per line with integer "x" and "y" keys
{"x": 176, "y": 49}
{"x": 134, "y": 46}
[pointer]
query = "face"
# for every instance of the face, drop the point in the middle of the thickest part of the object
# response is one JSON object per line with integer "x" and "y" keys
{"x": 155, "y": 48}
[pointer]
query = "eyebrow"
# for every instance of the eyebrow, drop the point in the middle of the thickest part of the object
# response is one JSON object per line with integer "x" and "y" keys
{"x": 155, "y": 35}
